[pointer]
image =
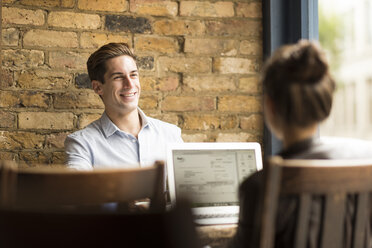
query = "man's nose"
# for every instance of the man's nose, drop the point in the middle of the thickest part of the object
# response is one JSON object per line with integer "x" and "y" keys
{"x": 128, "y": 82}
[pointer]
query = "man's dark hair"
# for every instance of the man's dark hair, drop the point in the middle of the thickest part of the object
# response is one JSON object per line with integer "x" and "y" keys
{"x": 96, "y": 63}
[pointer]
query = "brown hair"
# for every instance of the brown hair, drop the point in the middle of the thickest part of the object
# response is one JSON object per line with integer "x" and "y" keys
{"x": 298, "y": 81}
{"x": 96, "y": 63}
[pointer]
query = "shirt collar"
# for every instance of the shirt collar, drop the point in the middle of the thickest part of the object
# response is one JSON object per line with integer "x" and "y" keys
{"x": 109, "y": 128}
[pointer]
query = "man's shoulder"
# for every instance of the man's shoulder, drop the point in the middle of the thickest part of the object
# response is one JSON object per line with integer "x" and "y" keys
{"x": 90, "y": 130}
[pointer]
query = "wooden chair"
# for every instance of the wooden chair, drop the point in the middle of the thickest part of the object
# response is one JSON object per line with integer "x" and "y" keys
{"x": 49, "y": 188}
{"x": 34, "y": 228}
{"x": 336, "y": 181}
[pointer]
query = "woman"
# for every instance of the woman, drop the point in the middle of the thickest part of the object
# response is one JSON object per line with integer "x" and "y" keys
{"x": 298, "y": 92}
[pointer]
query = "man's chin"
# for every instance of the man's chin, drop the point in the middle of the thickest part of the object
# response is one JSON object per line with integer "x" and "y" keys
{"x": 129, "y": 109}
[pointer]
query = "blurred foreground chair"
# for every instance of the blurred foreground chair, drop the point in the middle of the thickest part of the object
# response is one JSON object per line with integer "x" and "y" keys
{"x": 343, "y": 185}
{"x": 51, "y": 188}
{"x": 34, "y": 228}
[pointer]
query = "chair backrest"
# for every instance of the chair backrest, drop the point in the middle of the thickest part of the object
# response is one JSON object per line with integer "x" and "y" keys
{"x": 166, "y": 229}
{"x": 52, "y": 187}
{"x": 335, "y": 181}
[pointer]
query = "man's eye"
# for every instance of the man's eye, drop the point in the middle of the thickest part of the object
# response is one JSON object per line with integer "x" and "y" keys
{"x": 134, "y": 75}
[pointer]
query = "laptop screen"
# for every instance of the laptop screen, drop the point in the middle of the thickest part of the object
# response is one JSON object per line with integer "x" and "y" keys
{"x": 211, "y": 177}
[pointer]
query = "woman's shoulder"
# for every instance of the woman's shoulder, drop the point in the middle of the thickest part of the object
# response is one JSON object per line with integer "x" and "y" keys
{"x": 340, "y": 148}
{"x": 252, "y": 183}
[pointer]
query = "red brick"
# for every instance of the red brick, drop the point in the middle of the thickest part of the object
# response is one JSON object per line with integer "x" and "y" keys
{"x": 234, "y": 65}
{"x": 236, "y": 137}
{"x": 77, "y": 99}
{"x": 22, "y": 59}
{"x": 148, "y": 102}
{"x": 6, "y": 141}
{"x": 74, "y": 20}
{"x": 8, "y": 156}
{"x": 56, "y": 140}
{"x": 151, "y": 83}
{"x": 50, "y": 38}
{"x": 194, "y": 137}
{"x": 154, "y": 7}
{"x": 7, "y": 120}
{"x": 68, "y": 60}
{"x": 170, "y": 118}
{"x": 251, "y": 47}
{"x": 211, "y": 46}
{"x": 250, "y": 10}
{"x": 7, "y": 79}
{"x": 23, "y": 16}
{"x": 46, "y": 120}
{"x": 209, "y": 83}
{"x": 86, "y": 119}
{"x": 43, "y": 79}
{"x": 24, "y": 99}
{"x": 239, "y": 103}
{"x": 188, "y": 103}
{"x": 231, "y": 27}
{"x": 10, "y": 37}
{"x": 41, "y": 3}
{"x": 207, "y": 9}
{"x": 95, "y": 40}
{"x": 58, "y": 160}
{"x": 179, "y": 27}
{"x": 229, "y": 122}
{"x": 201, "y": 122}
{"x": 33, "y": 158}
{"x": 28, "y": 140}
{"x": 103, "y": 5}
{"x": 186, "y": 65}
{"x": 148, "y": 43}
{"x": 250, "y": 85}
{"x": 252, "y": 122}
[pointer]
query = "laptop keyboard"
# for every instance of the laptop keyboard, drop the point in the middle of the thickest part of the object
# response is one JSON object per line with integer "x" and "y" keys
{"x": 208, "y": 216}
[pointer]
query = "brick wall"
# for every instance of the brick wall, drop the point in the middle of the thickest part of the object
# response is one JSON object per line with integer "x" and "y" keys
{"x": 199, "y": 63}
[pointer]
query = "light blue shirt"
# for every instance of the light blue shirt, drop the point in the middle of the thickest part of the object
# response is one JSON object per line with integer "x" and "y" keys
{"x": 102, "y": 144}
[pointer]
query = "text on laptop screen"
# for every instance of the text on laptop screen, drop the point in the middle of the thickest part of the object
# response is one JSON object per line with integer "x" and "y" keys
{"x": 211, "y": 177}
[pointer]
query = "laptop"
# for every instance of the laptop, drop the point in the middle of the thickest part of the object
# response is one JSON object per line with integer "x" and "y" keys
{"x": 209, "y": 174}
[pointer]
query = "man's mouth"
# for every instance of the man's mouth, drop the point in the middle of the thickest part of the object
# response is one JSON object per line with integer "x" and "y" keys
{"x": 128, "y": 94}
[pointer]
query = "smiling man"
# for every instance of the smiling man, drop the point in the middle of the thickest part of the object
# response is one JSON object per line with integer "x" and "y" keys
{"x": 124, "y": 136}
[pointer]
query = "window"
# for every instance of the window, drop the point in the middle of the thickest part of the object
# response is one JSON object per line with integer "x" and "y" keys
{"x": 345, "y": 33}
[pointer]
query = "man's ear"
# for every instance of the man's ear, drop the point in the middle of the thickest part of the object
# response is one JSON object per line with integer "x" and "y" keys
{"x": 97, "y": 87}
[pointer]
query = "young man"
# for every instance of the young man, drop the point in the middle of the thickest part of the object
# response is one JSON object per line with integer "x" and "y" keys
{"x": 124, "y": 136}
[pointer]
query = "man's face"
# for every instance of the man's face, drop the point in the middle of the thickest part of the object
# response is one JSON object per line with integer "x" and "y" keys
{"x": 121, "y": 91}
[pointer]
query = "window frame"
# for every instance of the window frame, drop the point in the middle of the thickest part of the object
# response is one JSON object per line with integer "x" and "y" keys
{"x": 286, "y": 22}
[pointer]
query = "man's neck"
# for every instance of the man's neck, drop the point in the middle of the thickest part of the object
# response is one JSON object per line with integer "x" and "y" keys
{"x": 129, "y": 122}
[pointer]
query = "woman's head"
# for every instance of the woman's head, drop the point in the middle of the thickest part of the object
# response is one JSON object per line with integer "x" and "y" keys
{"x": 298, "y": 85}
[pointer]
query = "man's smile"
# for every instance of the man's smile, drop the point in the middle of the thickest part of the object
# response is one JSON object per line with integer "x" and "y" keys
{"x": 128, "y": 94}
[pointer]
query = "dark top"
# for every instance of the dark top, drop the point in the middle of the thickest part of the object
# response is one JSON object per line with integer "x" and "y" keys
{"x": 251, "y": 190}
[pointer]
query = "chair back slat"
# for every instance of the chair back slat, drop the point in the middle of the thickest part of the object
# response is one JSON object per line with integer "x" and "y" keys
{"x": 337, "y": 183}
{"x": 52, "y": 187}
{"x": 270, "y": 204}
{"x": 303, "y": 221}
{"x": 8, "y": 181}
{"x": 35, "y": 228}
{"x": 361, "y": 218}
{"x": 333, "y": 220}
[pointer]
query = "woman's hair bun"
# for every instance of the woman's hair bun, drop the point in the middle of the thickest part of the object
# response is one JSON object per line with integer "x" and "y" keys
{"x": 305, "y": 63}
{"x": 298, "y": 81}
